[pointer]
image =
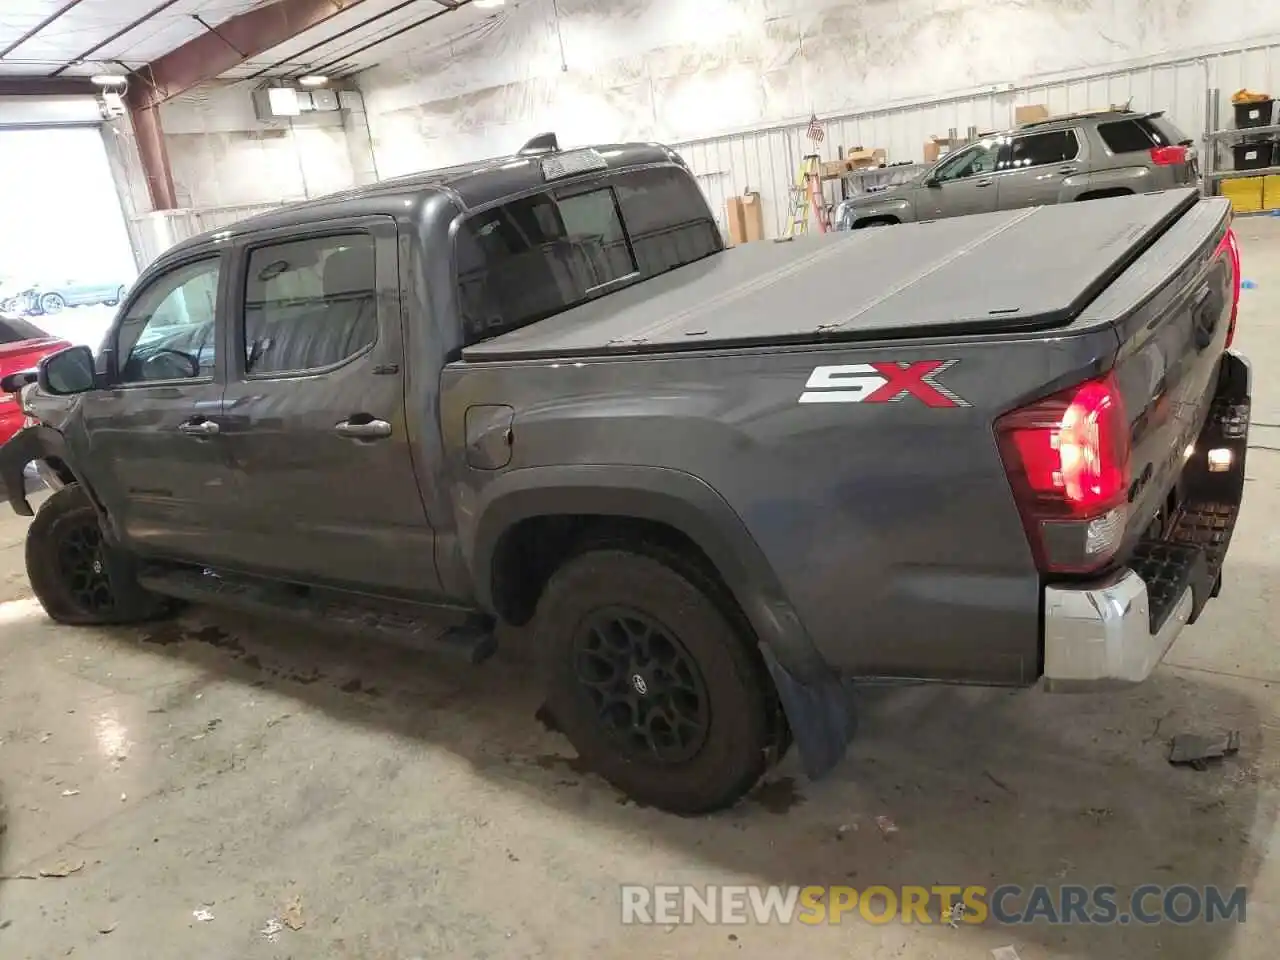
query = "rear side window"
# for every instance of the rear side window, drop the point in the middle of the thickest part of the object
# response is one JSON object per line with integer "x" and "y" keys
{"x": 537, "y": 256}
{"x": 1126, "y": 136}
{"x": 309, "y": 304}
{"x": 15, "y": 330}
{"x": 1139, "y": 134}
{"x": 1039, "y": 149}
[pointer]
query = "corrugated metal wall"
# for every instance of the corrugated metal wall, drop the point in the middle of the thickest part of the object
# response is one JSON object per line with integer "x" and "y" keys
{"x": 767, "y": 160}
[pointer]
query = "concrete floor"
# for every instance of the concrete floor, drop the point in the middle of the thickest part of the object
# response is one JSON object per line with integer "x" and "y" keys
{"x": 408, "y": 807}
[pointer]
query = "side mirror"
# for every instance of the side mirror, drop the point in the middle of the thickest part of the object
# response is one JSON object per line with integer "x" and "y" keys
{"x": 67, "y": 372}
{"x": 932, "y": 182}
{"x": 14, "y": 382}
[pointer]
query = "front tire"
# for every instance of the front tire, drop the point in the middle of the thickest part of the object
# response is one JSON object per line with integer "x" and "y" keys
{"x": 52, "y": 303}
{"x": 653, "y": 680}
{"x": 77, "y": 576}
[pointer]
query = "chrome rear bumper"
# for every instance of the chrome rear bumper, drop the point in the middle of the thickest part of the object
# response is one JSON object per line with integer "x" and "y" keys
{"x": 1099, "y": 637}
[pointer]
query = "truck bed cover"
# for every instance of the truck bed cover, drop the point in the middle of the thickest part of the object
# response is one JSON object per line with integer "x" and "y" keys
{"x": 1028, "y": 269}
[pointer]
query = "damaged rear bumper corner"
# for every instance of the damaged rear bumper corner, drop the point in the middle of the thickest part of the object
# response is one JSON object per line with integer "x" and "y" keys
{"x": 1100, "y": 637}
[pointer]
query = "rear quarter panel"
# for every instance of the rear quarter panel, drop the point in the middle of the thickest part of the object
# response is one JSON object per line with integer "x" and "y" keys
{"x": 890, "y": 525}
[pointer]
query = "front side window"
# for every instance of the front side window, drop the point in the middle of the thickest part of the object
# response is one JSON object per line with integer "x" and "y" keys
{"x": 170, "y": 330}
{"x": 978, "y": 159}
{"x": 309, "y": 304}
{"x": 1040, "y": 149}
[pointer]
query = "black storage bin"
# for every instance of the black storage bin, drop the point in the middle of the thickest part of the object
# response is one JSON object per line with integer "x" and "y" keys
{"x": 1254, "y": 156}
{"x": 1257, "y": 114}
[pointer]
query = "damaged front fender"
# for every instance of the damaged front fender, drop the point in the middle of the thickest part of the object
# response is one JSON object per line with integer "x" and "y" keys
{"x": 29, "y": 444}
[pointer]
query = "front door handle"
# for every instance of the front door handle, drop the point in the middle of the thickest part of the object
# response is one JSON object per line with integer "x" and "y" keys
{"x": 199, "y": 428}
{"x": 363, "y": 428}
{"x": 984, "y": 183}
{"x": 1066, "y": 170}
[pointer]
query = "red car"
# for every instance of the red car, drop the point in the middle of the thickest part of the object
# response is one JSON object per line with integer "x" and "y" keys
{"x": 22, "y": 346}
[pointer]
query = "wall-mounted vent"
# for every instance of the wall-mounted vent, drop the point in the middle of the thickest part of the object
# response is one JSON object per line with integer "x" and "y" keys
{"x": 284, "y": 103}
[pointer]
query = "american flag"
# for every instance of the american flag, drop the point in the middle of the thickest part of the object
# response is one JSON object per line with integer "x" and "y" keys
{"x": 815, "y": 132}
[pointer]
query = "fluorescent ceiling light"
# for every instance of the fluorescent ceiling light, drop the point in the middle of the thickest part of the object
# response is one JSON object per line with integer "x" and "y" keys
{"x": 488, "y": 4}
{"x": 313, "y": 80}
{"x": 109, "y": 80}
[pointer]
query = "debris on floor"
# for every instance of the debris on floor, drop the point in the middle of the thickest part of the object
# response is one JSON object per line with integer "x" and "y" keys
{"x": 1005, "y": 953}
{"x": 272, "y": 930}
{"x": 1196, "y": 750}
{"x": 292, "y": 914}
{"x": 61, "y": 869}
{"x": 107, "y": 928}
{"x": 886, "y": 825}
{"x": 202, "y": 914}
{"x": 70, "y": 793}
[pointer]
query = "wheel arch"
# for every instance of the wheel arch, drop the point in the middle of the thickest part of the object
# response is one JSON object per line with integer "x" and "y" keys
{"x": 655, "y": 495}
{"x": 38, "y": 443}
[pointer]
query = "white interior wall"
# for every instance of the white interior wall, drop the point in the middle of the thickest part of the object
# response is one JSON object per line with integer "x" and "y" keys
{"x": 679, "y": 70}
{"x": 222, "y": 156}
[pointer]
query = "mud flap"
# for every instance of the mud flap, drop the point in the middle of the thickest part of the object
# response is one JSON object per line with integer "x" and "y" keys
{"x": 24, "y": 447}
{"x": 820, "y": 714}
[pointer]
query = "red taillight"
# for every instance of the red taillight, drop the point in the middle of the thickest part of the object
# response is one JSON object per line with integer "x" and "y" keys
{"x": 1231, "y": 247}
{"x": 1168, "y": 156}
{"x": 1067, "y": 458}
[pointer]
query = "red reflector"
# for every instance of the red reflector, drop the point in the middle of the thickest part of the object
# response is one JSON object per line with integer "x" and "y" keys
{"x": 1230, "y": 245}
{"x": 1067, "y": 458}
{"x": 1168, "y": 156}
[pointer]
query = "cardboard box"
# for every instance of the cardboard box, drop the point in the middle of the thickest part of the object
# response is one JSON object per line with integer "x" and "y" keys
{"x": 1245, "y": 193}
{"x": 1270, "y": 192}
{"x": 860, "y": 159}
{"x": 1030, "y": 113}
{"x": 746, "y": 218}
{"x": 939, "y": 147}
{"x": 834, "y": 169}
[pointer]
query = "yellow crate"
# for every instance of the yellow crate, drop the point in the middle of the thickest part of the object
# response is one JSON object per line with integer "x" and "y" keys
{"x": 1244, "y": 193}
{"x": 1271, "y": 193}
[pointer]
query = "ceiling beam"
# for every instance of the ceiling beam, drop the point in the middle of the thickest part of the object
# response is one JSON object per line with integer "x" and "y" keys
{"x": 37, "y": 28}
{"x": 132, "y": 25}
{"x": 212, "y": 54}
{"x": 347, "y": 55}
{"x": 296, "y": 58}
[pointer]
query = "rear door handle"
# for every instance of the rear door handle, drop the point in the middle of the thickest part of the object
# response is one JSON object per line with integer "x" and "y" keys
{"x": 198, "y": 427}
{"x": 363, "y": 427}
{"x": 984, "y": 183}
{"x": 1066, "y": 170}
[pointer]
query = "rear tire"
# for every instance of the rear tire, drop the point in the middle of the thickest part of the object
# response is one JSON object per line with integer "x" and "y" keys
{"x": 77, "y": 576}
{"x": 654, "y": 682}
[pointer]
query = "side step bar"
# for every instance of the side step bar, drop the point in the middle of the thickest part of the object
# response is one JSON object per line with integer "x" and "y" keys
{"x": 411, "y": 625}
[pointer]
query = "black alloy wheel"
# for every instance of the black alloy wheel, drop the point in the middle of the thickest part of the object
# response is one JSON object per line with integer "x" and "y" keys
{"x": 647, "y": 690}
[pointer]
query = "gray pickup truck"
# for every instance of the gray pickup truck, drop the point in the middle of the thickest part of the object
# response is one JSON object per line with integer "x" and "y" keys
{"x": 1082, "y": 156}
{"x": 719, "y": 484}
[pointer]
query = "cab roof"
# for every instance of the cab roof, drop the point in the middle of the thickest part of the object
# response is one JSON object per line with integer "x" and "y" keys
{"x": 470, "y": 185}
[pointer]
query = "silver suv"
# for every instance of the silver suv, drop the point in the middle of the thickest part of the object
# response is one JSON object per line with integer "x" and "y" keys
{"x": 1076, "y": 157}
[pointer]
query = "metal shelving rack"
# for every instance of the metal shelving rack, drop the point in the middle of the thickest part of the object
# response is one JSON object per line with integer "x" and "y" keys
{"x": 1215, "y": 136}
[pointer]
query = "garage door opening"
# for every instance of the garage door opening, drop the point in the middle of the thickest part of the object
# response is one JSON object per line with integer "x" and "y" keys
{"x": 65, "y": 257}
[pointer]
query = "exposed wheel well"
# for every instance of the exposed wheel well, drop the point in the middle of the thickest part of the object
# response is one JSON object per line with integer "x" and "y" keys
{"x": 60, "y": 468}
{"x": 882, "y": 220}
{"x": 530, "y": 551}
{"x": 1109, "y": 192}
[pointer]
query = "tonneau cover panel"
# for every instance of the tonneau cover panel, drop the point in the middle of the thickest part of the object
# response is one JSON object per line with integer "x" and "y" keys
{"x": 1027, "y": 269}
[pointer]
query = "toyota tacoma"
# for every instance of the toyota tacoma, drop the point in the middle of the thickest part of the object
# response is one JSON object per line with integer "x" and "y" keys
{"x": 718, "y": 484}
